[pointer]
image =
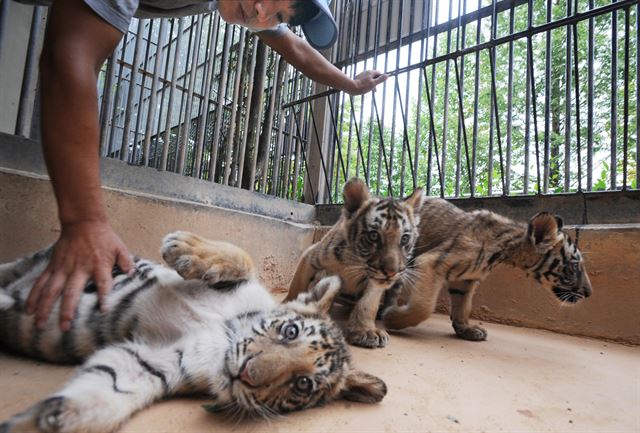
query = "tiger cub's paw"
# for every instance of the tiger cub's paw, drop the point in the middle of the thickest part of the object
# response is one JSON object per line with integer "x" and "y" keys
{"x": 471, "y": 333}
{"x": 367, "y": 337}
{"x": 214, "y": 262}
{"x": 49, "y": 416}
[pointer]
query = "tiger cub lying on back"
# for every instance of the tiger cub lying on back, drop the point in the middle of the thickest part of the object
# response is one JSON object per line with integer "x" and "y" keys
{"x": 457, "y": 250}
{"x": 369, "y": 248}
{"x": 205, "y": 326}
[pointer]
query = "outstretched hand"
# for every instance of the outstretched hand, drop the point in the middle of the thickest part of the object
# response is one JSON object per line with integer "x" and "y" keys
{"x": 85, "y": 250}
{"x": 366, "y": 81}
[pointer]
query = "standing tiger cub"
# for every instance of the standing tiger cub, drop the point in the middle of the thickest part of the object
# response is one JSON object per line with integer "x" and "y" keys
{"x": 206, "y": 326}
{"x": 456, "y": 250}
{"x": 369, "y": 248}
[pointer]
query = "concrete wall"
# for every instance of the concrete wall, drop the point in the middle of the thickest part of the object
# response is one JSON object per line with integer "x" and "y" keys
{"x": 275, "y": 232}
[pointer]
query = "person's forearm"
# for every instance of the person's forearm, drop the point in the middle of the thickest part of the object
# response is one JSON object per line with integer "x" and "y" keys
{"x": 70, "y": 140}
{"x": 310, "y": 62}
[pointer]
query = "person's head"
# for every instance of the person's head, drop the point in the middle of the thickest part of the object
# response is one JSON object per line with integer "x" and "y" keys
{"x": 313, "y": 15}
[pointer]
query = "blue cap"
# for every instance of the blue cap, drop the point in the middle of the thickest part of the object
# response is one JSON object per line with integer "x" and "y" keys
{"x": 321, "y": 31}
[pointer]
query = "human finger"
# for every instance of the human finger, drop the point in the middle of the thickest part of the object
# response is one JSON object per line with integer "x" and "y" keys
{"x": 103, "y": 281}
{"x": 124, "y": 261}
{"x": 50, "y": 294}
{"x": 36, "y": 291}
{"x": 70, "y": 298}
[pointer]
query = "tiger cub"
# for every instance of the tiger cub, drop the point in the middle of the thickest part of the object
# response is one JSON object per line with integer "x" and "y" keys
{"x": 204, "y": 326}
{"x": 368, "y": 248}
{"x": 457, "y": 250}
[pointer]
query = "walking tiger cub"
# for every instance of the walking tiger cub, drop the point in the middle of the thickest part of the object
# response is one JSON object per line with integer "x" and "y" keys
{"x": 457, "y": 250}
{"x": 205, "y": 326}
{"x": 369, "y": 248}
{"x": 423, "y": 245}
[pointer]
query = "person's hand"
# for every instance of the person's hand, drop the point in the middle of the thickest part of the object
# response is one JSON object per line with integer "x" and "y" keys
{"x": 366, "y": 81}
{"x": 85, "y": 250}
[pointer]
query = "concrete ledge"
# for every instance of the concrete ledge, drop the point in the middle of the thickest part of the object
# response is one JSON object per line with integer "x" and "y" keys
{"x": 25, "y": 155}
{"x": 611, "y": 207}
{"x": 28, "y": 222}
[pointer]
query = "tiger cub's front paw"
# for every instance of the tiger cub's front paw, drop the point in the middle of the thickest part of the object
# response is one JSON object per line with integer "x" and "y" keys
{"x": 367, "y": 337}
{"x": 195, "y": 258}
{"x": 470, "y": 333}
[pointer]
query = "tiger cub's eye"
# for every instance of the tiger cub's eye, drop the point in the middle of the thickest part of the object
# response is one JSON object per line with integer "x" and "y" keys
{"x": 373, "y": 236}
{"x": 404, "y": 240}
{"x": 290, "y": 331}
{"x": 303, "y": 385}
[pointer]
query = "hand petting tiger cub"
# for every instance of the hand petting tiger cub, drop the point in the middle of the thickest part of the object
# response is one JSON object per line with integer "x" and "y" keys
{"x": 205, "y": 326}
{"x": 457, "y": 250}
{"x": 369, "y": 248}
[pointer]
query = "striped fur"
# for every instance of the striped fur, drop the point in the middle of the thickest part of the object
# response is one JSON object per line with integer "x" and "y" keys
{"x": 456, "y": 250}
{"x": 368, "y": 248}
{"x": 205, "y": 325}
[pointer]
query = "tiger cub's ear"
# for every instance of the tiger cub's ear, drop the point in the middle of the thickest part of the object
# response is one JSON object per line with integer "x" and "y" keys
{"x": 355, "y": 193}
{"x": 415, "y": 200}
{"x": 363, "y": 387}
{"x": 544, "y": 230}
{"x": 322, "y": 294}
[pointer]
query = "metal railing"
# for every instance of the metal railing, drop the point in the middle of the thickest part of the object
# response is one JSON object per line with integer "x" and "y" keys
{"x": 484, "y": 98}
{"x": 194, "y": 96}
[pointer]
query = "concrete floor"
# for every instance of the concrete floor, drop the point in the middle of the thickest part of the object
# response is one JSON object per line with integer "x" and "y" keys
{"x": 519, "y": 380}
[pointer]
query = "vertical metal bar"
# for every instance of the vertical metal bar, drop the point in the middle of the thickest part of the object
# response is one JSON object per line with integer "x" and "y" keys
{"x": 151, "y": 115}
{"x": 206, "y": 92}
{"x": 460, "y": 41}
{"x": 133, "y": 78}
{"x": 527, "y": 105}
{"x": 614, "y": 99}
{"x": 492, "y": 59}
{"x": 476, "y": 95}
{"x": 567, "y": 102}
{"x": 432, "y": 96}
{"x": 234, "y": 112}
{"x": 637, "y": 95}
{"x": 424, "y": 24}
{"x": 625, "y": 125}
{"x": 107, "y": 103}
{"x": 547, "y": 105}
{"x": 275, "y": 183}
{"x": 510, "y": 103}
{"x": 577, "y": 91}
{"x": 222, "y": 94}
{"x": 180, "y": 145}
{"x": 433, "y": 133}
{"x": 117, "y": 100}
{"x": 248, "y": 108}
{"x": 256, "y": 136}
{"x": 184, "y": 137}
{"x": 268, "y": 121}
{"x": 445, "y": 102}
{"x": 590, "y": 92}
{"x": 532, "y": 80}
{"x": 157, "y": 155}
{"x": 172, "y": 91}
{"x": 30, "y": 65}
{"x": 141, "y": 98}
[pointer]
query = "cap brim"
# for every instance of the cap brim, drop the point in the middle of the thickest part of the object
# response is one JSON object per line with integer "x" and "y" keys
{"x": 321, "y": 31}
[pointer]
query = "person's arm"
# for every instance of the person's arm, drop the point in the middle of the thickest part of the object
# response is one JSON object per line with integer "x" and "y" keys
{"x": 310, "y": 62}
{"x": 77, "y": 42}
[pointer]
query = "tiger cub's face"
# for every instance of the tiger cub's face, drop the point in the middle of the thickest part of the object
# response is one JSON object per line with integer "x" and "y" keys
{"x": 294, "y": 358}
{"x": 558, "y": 265}
{"x": 381, "y": 233}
